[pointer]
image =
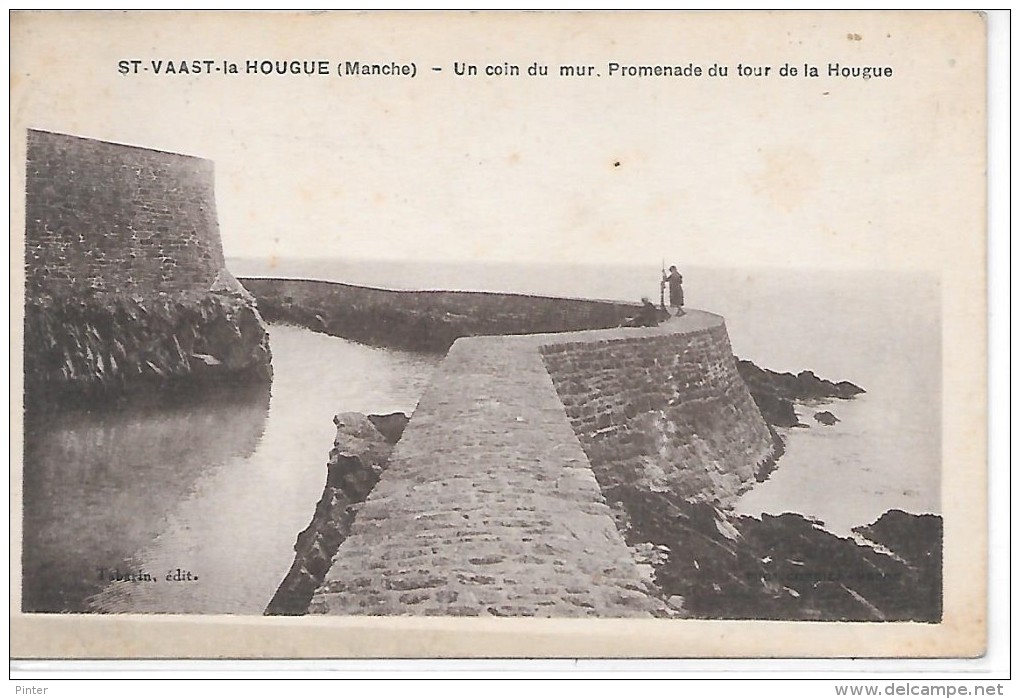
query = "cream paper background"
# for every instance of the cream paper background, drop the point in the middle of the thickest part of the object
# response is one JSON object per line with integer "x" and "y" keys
{"x": 825, "y": 173}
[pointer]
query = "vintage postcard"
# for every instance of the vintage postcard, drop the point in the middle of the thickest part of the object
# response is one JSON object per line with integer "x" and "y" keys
{"x": 506, "y": 334}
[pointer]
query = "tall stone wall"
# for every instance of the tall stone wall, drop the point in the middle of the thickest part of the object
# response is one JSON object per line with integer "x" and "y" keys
{"x": 104, "y": 217}
{"x": 663, "y": 411}
{"x": 125, "y": 279}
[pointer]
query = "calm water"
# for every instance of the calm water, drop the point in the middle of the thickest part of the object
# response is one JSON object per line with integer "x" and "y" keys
{"x": 217, "y": 487}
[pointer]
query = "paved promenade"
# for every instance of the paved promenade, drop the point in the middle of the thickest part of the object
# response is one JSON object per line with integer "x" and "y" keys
{"x": 489, "y": 505}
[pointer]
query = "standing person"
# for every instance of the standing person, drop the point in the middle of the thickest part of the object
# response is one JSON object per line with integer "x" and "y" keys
{"x": 676, "y": 289}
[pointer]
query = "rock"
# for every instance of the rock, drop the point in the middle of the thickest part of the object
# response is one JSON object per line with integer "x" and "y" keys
{"x": 111, "y": 345}
{"x": 225, "y": 283}
{"x": 207, "y": 359}
{"x": 765, "y": 469}
{"x": 356, "y": 462}
{"x": 810, "y": 386}
{"x": 785, "y": 567}
{"x": 776, "y": 410}
{"x": 391, "y": 425}
{"x": 775, "y": 393}
{"x": 804, "y": 386}
{"x": 355, "y": 432}
{"x": 915, "y": 538}
{"x": 826, "y": 418}
{"x": 358, "y": 457}
{"x": 846, "y": 389}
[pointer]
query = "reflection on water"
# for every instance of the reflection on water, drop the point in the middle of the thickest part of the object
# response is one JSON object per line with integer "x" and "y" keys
{"x": 99, "y": 485}
{"x": 214, "y": 489}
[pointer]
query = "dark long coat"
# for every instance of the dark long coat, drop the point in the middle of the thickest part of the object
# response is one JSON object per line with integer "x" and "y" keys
{"x": 676, "y": 289}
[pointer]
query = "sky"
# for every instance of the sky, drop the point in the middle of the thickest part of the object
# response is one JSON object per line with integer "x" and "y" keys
{"x": 776, "y": 171}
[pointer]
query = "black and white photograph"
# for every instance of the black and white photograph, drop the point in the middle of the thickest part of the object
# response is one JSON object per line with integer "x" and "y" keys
{"x": 328, "y": 320}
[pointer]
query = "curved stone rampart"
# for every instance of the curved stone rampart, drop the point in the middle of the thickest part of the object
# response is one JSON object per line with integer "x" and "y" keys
{"x": 490, "y": 504}
{"x": 663, "y": 409}
{"x": 426, "y": 320}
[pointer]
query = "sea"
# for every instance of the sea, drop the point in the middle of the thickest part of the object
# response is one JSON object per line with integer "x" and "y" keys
{"x": 219, "y": 488}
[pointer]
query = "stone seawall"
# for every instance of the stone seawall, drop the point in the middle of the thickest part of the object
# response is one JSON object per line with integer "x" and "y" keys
{"x": 424, "y": 320}
{"x": 107, "y": 217}
{"x": 490, "y": 504}
{"x": 125, "y": 283}
{"x": 663, "y": 411}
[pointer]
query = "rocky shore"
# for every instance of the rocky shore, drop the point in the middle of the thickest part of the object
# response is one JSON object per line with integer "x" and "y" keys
{"x": 77, "y": 349}
{"x": 775, "y": 393}
{"x": 712, "y": 564}
{"x": 709, "y": 563}
{"x": 360, "y": 452}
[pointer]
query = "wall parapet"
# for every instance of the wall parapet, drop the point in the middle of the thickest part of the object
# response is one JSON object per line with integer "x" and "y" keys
{"x": 426, "y": 320}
